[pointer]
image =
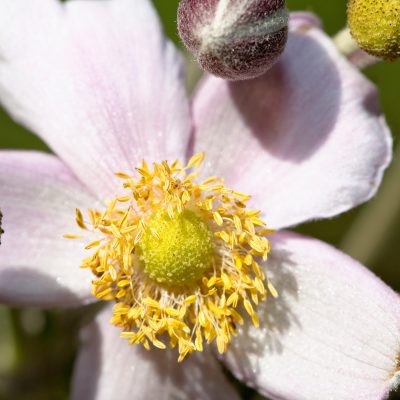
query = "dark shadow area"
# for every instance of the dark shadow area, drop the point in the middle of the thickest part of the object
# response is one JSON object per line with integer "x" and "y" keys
{"x": 198, "y": 376}
{"x": 85, "y": 378}
{"x": 26, "y": 285}
{"x": 394, "y": 395}
{"x": 371, "y": 104}
{"x": 276, "y": 319}
{"x": 46, "y": 342}
{"x": 291, "y": 118}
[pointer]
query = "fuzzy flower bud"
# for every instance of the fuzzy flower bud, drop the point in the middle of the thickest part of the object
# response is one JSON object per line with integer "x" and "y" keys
{"x": 375, "y": 25}
{"x": 234, "y": 39}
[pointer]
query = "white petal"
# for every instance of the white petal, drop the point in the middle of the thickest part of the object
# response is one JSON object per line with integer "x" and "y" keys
{"x": 333, "y": 333}
{"x": 38, "y": 197}
{"x": 108, "y": 366}
{"x": 306, "y": 140}
{"x": 97, "y": 81}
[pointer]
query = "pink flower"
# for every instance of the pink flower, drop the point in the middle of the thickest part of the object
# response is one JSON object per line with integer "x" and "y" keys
{"x": 101, "y": 85}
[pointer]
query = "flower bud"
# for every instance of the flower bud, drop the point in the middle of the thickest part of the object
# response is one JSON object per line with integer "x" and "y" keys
{"x": 234, "y": 39}
{"x": 375, "y": 25}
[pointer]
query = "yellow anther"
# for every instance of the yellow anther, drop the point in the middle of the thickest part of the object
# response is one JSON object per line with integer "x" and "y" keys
{"x": 272, "y": 290}
{"x": 190, "y": 300}
{"x": 217, "y": 218}
{"x": 177, "y": 257}
{"x": 93, "y": 244}
{"x": 233, "y": 300}
{"x": 79, "y": 219}
{"x": 196, "y": 160}
{"x": 72, "y": 236}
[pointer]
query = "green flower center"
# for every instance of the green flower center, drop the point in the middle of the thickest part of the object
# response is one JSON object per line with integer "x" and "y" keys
{"x": 176, "y": 251}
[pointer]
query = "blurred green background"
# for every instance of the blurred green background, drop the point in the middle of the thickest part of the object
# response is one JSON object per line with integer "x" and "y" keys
{"x": 37, "y": 348}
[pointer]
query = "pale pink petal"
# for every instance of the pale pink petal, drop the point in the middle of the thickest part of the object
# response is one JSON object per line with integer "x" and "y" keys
{"x": 303, "y": 20}
{"x": 97, "y": 81}
{"x": 108, "y": 367}
{"x": 38, "y": 196}
{"x": 333, "y": 333}
{"x": 362, "y": 60}
{"x": 307, "y": 139}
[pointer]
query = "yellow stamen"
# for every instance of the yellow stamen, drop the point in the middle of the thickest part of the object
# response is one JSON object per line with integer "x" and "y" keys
{"x": 179, "y": 259}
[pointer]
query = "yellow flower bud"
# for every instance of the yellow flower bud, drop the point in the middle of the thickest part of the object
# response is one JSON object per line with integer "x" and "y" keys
{"x": 375, "y": 25}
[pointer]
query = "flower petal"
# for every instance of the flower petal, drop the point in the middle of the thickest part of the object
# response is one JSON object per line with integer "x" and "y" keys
{"x": 38, "y": 267}
{"x": 333, "y": 333}
{"x": 306, "y": 139}
{"x": 107, "y": 364}
{"x": 300, "y": 20}
{"x": 97, "y": 81}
